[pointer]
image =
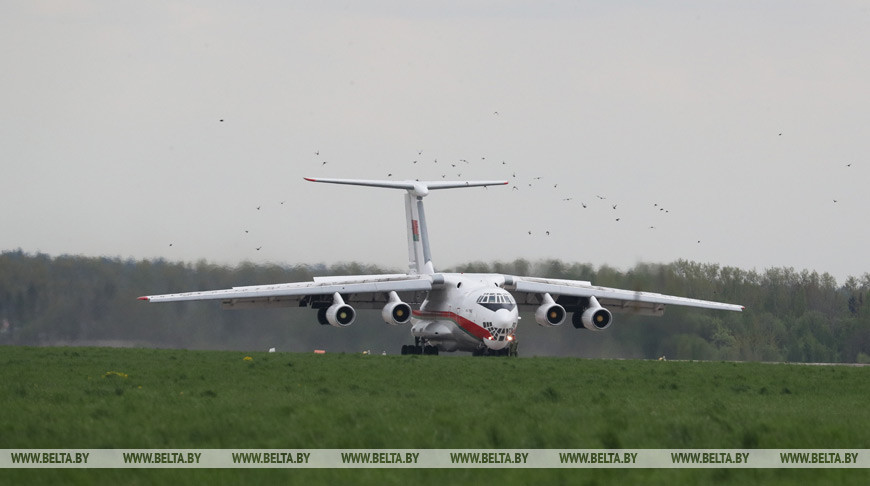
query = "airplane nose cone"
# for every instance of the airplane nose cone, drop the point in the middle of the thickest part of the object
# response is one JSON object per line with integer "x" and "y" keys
{"x": 503, "y": 322}
{"x": 503, "y": 319}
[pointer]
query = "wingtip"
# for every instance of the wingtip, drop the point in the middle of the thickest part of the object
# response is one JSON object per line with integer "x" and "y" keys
{"x": 310, "y": 179}
{"x": 145, "y": 298}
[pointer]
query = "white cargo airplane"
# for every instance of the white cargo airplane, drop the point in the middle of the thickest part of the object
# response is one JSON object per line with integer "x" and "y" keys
{"x": 457, "y": 311}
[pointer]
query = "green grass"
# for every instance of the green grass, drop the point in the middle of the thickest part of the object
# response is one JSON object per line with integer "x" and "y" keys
{"x": 144, "y": 398}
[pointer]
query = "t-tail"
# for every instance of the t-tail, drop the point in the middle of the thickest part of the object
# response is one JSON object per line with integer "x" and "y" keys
{"x": 419, "y": 254}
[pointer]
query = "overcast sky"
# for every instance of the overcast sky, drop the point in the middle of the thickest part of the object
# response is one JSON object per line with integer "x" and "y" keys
{"x": 183, "y": 130}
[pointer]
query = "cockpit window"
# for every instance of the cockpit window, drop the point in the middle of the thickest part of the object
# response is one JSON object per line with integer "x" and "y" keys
{"x": 497, "y": 300}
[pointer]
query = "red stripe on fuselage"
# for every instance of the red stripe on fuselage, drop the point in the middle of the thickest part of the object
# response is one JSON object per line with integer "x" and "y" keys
{"x": 468, "y": 326}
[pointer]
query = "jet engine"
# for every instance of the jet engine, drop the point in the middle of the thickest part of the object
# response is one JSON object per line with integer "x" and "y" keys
{"x": 396, "y": 312}
{"x": 594, "y": 318}
{"x": 340, "y": 314}
{"x": 550, "y": 314}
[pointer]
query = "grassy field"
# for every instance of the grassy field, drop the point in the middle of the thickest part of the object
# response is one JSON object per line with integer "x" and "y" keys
{"x": 145, "y": 398}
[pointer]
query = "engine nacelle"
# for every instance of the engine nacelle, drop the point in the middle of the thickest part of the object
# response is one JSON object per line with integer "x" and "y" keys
{"x": 396, "y": 312}
{"x": 550, "y": 314}
{"x": 595, "y": 318}
{"x": 340, "y": 314}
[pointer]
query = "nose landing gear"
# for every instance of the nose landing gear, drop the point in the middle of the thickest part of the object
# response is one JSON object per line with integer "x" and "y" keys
{"x": 511, "y": 350}
{"x": 418, "y": 348}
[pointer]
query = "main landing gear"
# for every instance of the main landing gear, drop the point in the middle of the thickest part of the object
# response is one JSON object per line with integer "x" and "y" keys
{"x": 417, "y": 348}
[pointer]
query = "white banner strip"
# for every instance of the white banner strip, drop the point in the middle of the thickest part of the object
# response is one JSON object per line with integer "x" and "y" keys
{"x": 435, "y": 458}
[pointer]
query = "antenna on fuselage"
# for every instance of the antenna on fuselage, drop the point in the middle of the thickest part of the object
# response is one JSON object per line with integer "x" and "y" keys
{"x": 419, "y": 254}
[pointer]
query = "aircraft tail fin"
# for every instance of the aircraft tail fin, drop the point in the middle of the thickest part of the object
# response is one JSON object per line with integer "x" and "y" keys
{"x": 419, "y": 254}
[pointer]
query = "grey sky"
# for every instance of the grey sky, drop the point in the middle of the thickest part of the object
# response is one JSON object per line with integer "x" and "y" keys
{"x": 737, "y": 118}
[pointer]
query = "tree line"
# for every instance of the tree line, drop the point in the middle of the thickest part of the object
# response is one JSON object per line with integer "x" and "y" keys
{"x": 798, "y": 316}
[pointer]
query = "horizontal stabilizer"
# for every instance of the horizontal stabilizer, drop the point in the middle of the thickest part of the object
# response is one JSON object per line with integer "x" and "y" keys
{"x": 420, "y": 188}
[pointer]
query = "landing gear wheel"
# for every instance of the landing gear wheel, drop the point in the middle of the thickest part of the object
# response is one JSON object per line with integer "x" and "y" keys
{"x": 494, "y": 352}
{"x": 412, "y": 349}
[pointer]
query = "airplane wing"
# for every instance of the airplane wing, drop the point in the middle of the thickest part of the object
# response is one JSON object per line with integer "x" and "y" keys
{"x": 574, "y": 294}
{"x": 365, "y": 289}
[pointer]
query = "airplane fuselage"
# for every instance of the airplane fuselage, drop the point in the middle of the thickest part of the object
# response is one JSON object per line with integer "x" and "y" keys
{"x": 469, "y": 312}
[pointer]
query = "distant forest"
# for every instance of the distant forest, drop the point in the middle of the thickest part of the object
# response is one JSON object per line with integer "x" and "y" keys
{"x": 790, "y": 315}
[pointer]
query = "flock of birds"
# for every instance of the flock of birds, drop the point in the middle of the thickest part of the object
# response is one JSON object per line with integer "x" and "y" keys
{"x": 458, "y": 168}
{"x": 453, "y": 170}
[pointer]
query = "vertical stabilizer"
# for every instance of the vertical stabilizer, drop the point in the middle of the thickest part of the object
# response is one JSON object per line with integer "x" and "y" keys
{"x": 418, "y": 237}
{"x": 419, "y": 254}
